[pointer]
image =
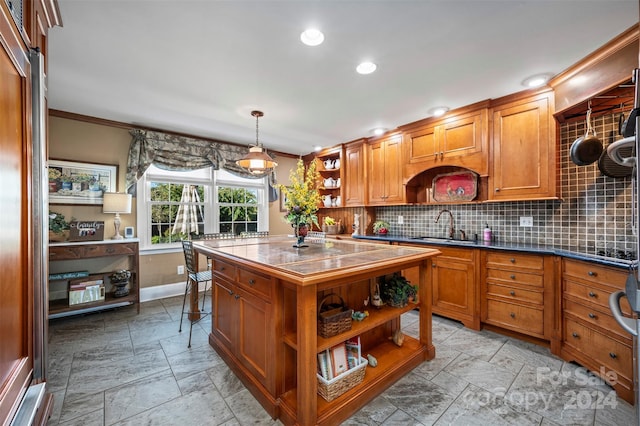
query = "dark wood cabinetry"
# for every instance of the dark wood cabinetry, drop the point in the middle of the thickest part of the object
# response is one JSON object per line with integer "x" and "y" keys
{"x": 101, "y": 258}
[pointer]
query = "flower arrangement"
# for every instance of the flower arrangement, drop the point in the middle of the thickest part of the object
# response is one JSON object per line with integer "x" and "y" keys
{"x": 301, "y": 196}
{"x": 381, "y": 227}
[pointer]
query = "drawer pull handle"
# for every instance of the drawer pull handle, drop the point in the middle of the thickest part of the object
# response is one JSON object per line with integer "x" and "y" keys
{"x": 592, "y": 315}
{"x": 222, "y": 268}
{"x": 592, "y": 294}
{"x": 513, "y": 293}
{"x": 497, "y": 189}
{"x": 576, "y": 335}
{"x": 433, "y": 265}
{"x": 613, "y": 355}
{"x": 513, "y": 277}
{"x": 592, "y": 274}
{"x": 512, "y": 315}
{"x": 111, "y": 250}
{"x": 512, "y": 260}
{"x": 237, "y": 296}
{"x": 252, "y": 281}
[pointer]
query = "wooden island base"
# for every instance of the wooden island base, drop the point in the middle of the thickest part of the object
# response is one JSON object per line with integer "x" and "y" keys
{"x": 264, "y": 325}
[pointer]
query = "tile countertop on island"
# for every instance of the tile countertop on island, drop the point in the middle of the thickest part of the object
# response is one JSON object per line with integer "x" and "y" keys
{"x": 569, "y": 252}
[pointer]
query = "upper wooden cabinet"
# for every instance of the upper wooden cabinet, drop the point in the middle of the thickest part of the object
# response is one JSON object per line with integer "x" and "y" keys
{"x": 355, "y": 185}
{"x": 523, "y": 161}
{"x": 384, "y": 171}
{"x": 460, "y": 139}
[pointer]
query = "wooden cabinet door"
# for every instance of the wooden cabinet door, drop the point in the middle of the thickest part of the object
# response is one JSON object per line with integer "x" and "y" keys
{"x": 355, "y": 183}
{"x": 225, "y": 314}
{"x": 393, "y": 171}
{"x": 453, "y": 287}
{"x": 16, "y": 283}
{"x": 524, "y": 150}
{"x": 254, "y": 334}
{"x": 384, "y": 171}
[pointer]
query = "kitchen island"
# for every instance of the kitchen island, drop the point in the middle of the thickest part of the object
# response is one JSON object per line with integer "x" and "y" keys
{"x": 266, "y": 295}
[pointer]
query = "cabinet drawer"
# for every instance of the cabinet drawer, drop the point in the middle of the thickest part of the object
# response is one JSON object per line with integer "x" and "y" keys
{"x": 257, "y": 284}
{"x": 225, "y": 269}
{"x": 517, "y": 294}
{"x": 110, "y": 250}
{"x": 66, "y": 253}
{"x": 591, "y": 295}
{"x": 602, "y": 349}
{"x": 595, "y": 274}
{"x": 513, "y": 276}
{"x": 456, "y": 253}
{"x": 595, "y": 317}
{"x": 516, "y": 317}
{"x": 517, "y": 261}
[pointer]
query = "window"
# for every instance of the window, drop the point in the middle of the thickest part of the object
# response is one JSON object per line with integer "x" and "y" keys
{"x": 171, "y": 205}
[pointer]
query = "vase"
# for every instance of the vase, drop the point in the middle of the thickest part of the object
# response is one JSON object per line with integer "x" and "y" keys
{"x": 120, "y": 289}
{"x": 300, "y": 231}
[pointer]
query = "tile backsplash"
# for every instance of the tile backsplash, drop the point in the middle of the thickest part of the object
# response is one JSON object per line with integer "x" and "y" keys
{"x": 593, "y": 217}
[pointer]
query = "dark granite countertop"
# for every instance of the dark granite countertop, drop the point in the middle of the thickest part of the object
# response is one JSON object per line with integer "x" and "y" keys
{"x": 569, "y": 252}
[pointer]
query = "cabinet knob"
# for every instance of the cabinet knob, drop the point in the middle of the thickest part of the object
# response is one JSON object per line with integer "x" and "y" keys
{"x": 592, "y": 315}
{"x": 576, "y": 335}
{"x": 230, "y": 292}
{"x": 222, "y": 268}
{"x": 252, "y": 281}
{"x": 512, "y": 315}
{"x": 237, "y": 296}
{"x": 433, "y": 265}
{"x": 512, "y": 260}
{"x": 111, "y": 250}
{"x": 592, "y": 294}
{"x": 513, "y": 293}
{"x": 441, "y": 154}
{"x": 513, "y": 277}
{"x": 613, "y": 355}
{"x": 592, "y": 274}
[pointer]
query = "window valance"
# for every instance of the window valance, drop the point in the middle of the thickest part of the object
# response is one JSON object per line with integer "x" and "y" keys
{"x": 173, "y": 152}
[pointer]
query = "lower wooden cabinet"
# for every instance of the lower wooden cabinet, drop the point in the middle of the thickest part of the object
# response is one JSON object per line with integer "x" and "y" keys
{"x": 590, "y": 334}
{"x": 518, "y": 292}
{"x": 242, "y": 324}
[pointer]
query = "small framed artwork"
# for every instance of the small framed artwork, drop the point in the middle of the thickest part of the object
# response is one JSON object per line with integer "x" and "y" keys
{"x": 283, "y": 200}
{"x": 72, "y": 182}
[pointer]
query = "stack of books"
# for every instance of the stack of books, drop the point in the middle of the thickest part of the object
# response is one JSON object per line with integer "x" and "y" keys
{"x": 86, "y": 291}
{"x": 340, "y": 358}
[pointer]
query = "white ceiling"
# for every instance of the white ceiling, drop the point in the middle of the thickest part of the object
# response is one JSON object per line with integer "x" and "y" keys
{"x": 200, "y": 67}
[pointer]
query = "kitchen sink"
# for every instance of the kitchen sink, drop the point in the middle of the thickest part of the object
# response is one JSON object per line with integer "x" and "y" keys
{"x": 443, "y": 240}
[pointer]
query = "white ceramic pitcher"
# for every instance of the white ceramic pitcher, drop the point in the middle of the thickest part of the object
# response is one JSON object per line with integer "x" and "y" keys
{"x": 327, "y": 200}
{"x": 328, "y": 164}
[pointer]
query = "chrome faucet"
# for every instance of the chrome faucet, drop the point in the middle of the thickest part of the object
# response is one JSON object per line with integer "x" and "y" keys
{"x": 451, "y": 230}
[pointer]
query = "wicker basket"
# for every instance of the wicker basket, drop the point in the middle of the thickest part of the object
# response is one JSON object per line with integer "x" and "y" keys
{"x": 333, "y": 318}
{"x": 331, "y": 389}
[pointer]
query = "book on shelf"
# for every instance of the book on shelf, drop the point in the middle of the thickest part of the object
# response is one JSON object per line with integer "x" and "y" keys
{"x": 322, "y": 365}
{"x": 68, "y": 275}
{"x": 354, "y": 351}
{"x": 80, "y": 285}
{"x": 339, "y": 361}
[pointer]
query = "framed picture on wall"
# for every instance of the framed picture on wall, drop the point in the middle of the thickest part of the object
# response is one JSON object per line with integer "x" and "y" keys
{"x": 72, "y": 182}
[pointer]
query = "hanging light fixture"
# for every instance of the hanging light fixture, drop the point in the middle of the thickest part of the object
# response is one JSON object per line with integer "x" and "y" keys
{"x": 257, "y": 161}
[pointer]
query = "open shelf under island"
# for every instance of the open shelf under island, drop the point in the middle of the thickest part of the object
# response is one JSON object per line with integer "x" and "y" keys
{"x": 266, "y": 291}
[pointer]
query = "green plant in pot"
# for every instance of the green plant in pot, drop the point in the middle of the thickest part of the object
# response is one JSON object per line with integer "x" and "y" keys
{"x": 397, "y": 291}
{"x": 58, "y": 227}
{"x": 381, "y": 227}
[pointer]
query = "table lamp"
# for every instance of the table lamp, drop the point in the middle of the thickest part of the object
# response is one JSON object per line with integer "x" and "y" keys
{"x": 116, "y": 202}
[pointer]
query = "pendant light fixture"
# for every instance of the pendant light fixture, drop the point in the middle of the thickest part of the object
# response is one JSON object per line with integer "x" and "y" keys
{"x": 257, "y": 161}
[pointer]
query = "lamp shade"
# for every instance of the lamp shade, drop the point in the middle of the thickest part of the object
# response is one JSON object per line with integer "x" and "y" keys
{"x": 116, "y": 202}
{"x": 257, "y": 161}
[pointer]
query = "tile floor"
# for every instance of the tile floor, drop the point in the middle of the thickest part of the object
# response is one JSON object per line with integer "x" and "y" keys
{"x": 119, "y": 368}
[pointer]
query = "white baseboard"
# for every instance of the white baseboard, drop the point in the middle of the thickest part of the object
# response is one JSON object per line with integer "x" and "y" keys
{"x": 164, "y": 291}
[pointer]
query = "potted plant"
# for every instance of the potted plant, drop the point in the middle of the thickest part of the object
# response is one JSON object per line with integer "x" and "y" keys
{"x": 381, "y": 227}
{"x": 58, "y": 227}
{"x": 397, "y": 291}
{"x": 119, "y": 280}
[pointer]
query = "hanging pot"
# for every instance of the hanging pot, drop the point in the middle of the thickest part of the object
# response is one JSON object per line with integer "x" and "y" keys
{"x": 610, "y": 168}
{"x": 587, "y": 149}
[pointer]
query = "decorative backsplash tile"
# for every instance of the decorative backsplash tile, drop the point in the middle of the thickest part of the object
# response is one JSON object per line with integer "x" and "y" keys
{"x": 593, "y": 217}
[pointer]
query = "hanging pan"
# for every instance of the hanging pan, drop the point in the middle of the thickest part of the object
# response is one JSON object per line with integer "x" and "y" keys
{"x": 587, "y": 149}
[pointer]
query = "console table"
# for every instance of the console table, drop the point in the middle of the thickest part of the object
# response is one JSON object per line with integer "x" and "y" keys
{"x": 73, "y": 262}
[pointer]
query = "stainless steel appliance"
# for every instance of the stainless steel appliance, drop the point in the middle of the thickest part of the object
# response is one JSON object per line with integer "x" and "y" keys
{"x": 632, "y": 286}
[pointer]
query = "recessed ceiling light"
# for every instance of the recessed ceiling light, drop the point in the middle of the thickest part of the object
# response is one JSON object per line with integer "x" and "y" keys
{"x": 378, "y": 131}
{"x": 317, "y": 148}
{"x": 438, "y": 111}
{"x": 366, "y": 68}
{"x": 312, "y": 37}
{"x": 536, "y": 80}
